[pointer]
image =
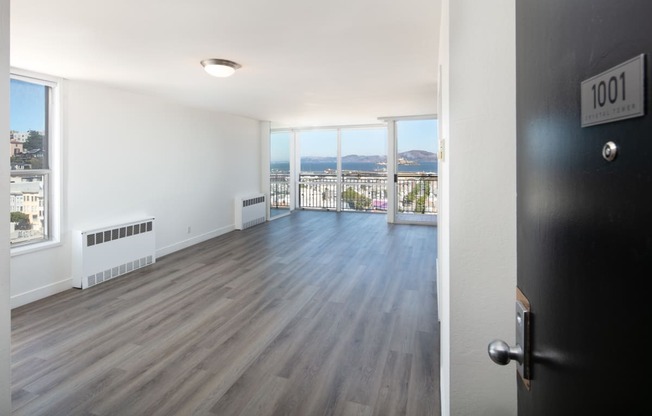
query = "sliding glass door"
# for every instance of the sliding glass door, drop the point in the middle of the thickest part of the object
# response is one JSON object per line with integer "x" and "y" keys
{"x": 416, "y": 179}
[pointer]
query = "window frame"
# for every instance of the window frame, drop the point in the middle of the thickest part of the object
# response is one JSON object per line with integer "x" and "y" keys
{"x": 51, "y": 175}
{"x": 295, "y": 158}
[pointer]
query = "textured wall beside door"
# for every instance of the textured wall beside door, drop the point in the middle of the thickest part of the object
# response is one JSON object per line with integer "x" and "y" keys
{"x": 5, "y": 314}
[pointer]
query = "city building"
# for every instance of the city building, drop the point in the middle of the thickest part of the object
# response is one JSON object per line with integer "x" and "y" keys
{"x": 18, "y": 136}
{"x": 27, "y": 198}
{"x": 15, "y": 147}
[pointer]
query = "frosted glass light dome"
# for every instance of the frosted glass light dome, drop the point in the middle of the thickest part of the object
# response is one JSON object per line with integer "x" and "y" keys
{"x": 219, "y": 67}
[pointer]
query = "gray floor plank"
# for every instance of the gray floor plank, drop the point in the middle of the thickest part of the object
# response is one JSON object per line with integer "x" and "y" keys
{"x": 316, "y": 313}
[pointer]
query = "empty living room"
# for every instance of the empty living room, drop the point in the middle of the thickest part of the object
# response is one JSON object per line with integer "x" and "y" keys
{"x": 142, "y": 137}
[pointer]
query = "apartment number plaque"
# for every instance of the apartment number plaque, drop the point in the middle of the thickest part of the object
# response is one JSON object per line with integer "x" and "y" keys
{"x": 616, "y": 94}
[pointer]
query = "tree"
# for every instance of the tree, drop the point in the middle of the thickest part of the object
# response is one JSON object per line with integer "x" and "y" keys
{"x": 21, "y": 220}
{"x": 418, "y": 195}
{"x": 355, "y": 200}
{"x": 420, "y": 205}
{"x": 34, "y": 140}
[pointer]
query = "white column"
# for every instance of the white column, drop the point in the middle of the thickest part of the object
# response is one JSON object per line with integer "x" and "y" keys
{"x": 265, "y": 130}
{"x": 391, "y": 170}
{"x": 338, "y": 186}
{"x": 295, "y": 169}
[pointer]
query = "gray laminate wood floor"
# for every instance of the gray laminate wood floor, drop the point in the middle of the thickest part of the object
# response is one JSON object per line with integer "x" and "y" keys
{"x": 317, "y": 313}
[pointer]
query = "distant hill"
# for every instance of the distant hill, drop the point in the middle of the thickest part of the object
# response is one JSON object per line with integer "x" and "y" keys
{"x": 418, "y": 156}
{"x": 363, "y": 159}
{"x": 319, "y": 159}
{"x": 411, "y": 155}
{"x": 345, "y": 159}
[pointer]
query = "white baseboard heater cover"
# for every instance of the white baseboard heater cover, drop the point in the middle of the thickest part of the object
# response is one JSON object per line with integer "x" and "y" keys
{"x": 102, "y": 254}
{"x": 250, "y": 210}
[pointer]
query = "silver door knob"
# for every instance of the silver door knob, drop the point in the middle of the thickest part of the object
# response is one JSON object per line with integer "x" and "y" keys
{"x": 502, "y": 354}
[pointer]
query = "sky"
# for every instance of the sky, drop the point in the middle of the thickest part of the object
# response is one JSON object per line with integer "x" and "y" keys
{"x": 412, "y": 135}
{"x": 27, "y": 106}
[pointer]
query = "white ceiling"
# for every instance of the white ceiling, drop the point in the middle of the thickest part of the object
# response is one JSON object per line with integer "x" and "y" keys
{"x": 304, "y": 62}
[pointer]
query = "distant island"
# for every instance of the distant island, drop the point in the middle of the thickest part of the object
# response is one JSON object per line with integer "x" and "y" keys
{"x": 411, "y": 157}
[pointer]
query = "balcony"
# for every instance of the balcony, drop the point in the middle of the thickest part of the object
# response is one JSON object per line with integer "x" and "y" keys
{"x": 360, "y": 191}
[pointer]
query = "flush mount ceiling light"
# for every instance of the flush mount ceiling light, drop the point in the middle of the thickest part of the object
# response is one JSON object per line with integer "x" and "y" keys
{"x": 220, "y": 67}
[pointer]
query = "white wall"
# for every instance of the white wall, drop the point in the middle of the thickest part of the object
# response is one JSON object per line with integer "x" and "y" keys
{"x": 126, "y": 156}
{"x": 5, "y": 313}
{"x": 478, "y": 260}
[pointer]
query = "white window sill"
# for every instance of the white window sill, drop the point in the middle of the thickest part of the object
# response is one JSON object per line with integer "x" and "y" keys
{"x": 31, "y": 248}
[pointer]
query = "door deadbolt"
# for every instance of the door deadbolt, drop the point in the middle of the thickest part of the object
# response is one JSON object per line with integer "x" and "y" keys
{"x": 609, "y": 151}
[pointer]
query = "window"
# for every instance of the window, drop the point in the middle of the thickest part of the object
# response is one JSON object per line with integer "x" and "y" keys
{"x": 31, "y": 135}
{"x": 342, "y": 168}
{"x": 279, "y": 172}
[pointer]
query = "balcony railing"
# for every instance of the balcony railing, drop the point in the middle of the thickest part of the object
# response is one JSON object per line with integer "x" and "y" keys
{"x": 417, "y": 194}
{"x": 318, "y": 191}
{"x": 365, "y": 191}
{"x": 279, "y": 190}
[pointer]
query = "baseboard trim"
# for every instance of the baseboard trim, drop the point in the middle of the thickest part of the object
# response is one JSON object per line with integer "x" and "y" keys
{"x": 40, "y": 293}
{"x": 164, "y": 251}
{"x": 66, "y": 284}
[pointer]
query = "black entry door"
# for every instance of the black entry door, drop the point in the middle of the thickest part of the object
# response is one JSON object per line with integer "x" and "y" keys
{"x": 584, "y": 223}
